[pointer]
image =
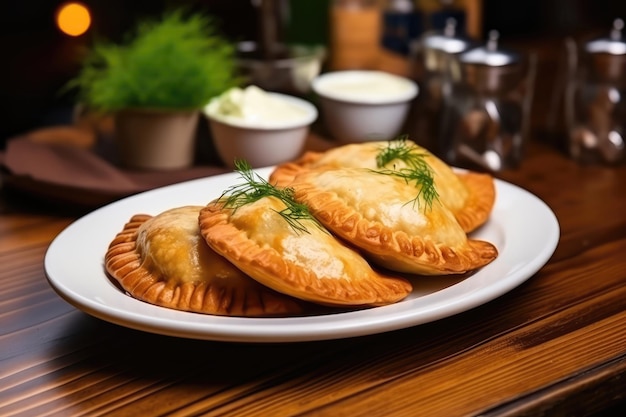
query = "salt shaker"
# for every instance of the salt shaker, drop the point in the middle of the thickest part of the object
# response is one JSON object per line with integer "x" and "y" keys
{"x": 435, "y": 68}
{"x": 487, "y": 119}
{"x": 595, "y": 103}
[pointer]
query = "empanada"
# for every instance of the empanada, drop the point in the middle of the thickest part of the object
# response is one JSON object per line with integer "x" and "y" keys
{"x": 386, "y": 217}
{"x": 163, "y": 260}
{"x": 294, "y": 255}
{"x": 469, "y": 195}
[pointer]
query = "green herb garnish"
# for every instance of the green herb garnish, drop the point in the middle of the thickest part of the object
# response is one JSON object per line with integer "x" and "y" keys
{"x": 255, "y": 188}
{"x": 416, "y": 171}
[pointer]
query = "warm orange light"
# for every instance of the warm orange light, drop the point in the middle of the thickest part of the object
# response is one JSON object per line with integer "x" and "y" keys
{"x": 73, "y": 19}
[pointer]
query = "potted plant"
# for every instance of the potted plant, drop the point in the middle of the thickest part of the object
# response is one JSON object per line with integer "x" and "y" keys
{"x": 155, "y": 83}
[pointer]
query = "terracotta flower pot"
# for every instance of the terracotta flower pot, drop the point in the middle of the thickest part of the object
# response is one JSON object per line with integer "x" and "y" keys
{"x": 156, "y": 139}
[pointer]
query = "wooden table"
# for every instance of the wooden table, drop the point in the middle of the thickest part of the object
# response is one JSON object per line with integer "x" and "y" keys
{"x": 556, "y": 345}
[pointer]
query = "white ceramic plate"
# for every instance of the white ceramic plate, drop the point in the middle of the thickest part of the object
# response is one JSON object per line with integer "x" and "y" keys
{"x": 522, "y": 227}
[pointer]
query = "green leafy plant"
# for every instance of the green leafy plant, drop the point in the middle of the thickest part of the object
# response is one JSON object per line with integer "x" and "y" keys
{"x": 178, "y": 62}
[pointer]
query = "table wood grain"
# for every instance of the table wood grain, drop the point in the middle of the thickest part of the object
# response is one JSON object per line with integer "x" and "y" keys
{"x": 556, "y": 345}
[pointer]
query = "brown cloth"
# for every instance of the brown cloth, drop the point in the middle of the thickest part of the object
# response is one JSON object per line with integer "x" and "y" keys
{"x": 74, "y": 172}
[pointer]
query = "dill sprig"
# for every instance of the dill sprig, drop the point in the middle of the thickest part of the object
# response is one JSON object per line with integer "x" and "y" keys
{"x": 255, "y": 188}
{"x": 417, "y": 170}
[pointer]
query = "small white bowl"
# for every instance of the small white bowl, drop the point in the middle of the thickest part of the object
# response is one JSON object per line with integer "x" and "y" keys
{"x": 360, "y": 106}
{"x": 261, "y": 141}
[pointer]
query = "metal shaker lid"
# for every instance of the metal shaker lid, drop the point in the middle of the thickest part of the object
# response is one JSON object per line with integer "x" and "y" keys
{"x": 614, "y": 44}
{"x": 447, "y": 40}
{"x": 490, "y": 55}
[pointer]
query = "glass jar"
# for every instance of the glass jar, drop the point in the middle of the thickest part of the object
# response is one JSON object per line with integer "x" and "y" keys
{"x": 435, "y": 68}
{"x": 596, "y": 100}
{"x": 486, "y": 120}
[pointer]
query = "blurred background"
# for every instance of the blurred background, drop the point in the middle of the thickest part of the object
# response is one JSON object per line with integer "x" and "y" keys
{"x": 38, "y": 58}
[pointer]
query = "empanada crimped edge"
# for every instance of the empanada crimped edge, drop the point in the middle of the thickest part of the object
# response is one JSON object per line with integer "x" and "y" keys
{"x": 392, "y": 249}
{"x": 124, "y": 264}
{"x": 266, "y": 265}
{"x": 480, "y": 202}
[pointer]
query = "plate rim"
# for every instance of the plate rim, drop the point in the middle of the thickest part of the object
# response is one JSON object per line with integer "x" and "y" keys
{"x": 161, "y": 320}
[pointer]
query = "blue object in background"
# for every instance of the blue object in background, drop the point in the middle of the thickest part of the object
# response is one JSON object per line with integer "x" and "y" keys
{"x": 439, "y": 18}
{"x": 402, "y": 24}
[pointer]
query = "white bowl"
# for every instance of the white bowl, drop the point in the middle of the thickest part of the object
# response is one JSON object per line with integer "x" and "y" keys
{"x": 261, "y": 142}
{"x": 362, "y": 106}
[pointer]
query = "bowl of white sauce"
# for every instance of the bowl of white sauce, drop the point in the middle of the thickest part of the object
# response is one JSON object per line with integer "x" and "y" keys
{"x": 260, "y": 127}
{"x": 364, "y": 105}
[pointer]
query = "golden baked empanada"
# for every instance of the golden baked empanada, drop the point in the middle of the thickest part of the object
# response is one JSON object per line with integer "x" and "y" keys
{"x": 397, "y": 226}
{"x": 163, "y": 260}
{"x": 280, "y": 245}
{"x": 469, "y": 195}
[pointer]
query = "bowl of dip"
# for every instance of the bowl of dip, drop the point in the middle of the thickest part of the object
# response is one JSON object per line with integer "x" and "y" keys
{"x": 363, "y": 105}
{"x": 261, "y": 127}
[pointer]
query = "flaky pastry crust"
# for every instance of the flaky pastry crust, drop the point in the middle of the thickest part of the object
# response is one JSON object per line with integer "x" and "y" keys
{"x": 163, "y": 260}
{"x": 469, "y": 195}
{"x": 379, "y": 214}
{"x": 311, "y": 265}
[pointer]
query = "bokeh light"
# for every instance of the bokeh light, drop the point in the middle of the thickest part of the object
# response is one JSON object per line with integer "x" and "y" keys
{"x": 73, "y": 18}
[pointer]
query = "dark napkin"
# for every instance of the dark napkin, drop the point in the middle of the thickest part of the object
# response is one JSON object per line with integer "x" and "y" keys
{"x": 81, "y": 173}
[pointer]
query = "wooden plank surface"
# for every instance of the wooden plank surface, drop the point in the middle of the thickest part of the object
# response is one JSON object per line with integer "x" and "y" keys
{"x": 554, "y": 345}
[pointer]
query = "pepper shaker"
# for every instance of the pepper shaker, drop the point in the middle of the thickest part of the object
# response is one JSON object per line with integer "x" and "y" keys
{"x": 486, "y": 121}
{"x": 595, "y": 104}
{"x": 435, "y": 67}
